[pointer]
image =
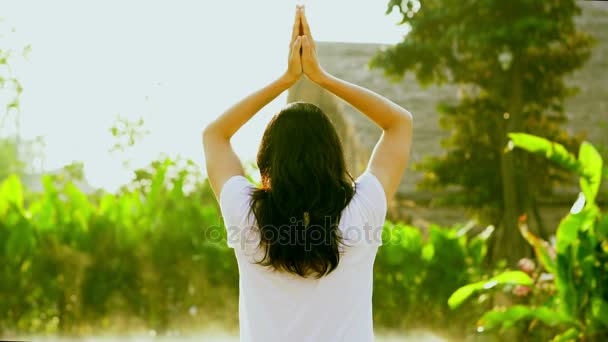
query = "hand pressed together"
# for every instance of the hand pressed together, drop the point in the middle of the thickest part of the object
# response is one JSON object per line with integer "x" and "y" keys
{"x": 390, "y": 156}
{"x": 294, "y": 65}
{"x": 303, "y": 53}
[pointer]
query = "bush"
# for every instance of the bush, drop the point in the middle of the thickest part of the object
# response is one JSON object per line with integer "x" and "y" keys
{"x": 414, "y": 276}
{"x": 566, "y": 299}
{"x": 154, "y": 256}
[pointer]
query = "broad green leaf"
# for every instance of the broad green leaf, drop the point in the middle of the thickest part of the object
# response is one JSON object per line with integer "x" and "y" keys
{"x": 11, "y": 192}
{"x": 403, "y": 243}
{"x": 49, "y": 186}
{"x": 79, "y": 201}
{"x": 591, "y": 163}
{"x": 599, "y": 309}
{"x": 564, "y": 283}
{"x": 567, "y": 231}
{"x": 158, "y": 183}
{"x": 543, "y": 250}
{"x": 506, "y": 278}
{"x": 602, "y": 227}
{"x": 569, "y": 227}
{"x": 107, "y": 204}
{"x": 477, "y": 250}
{"x": 568, "y": 261}
{"x": 569, "y": 335}
{"x": 498, "y": 318}
{"x": 551, "y": 150}
{"x": 20, "y": 241}
{"x": 428, "y": 251}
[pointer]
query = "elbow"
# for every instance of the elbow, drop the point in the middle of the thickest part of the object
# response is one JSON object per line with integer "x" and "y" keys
{"x": 407, "y": 117}
{"x": 402, "y": 119}
{"x": 209, "y": 133}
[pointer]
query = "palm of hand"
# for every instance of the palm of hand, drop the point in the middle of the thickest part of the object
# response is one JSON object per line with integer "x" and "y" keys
{"x": 303, "y": 54}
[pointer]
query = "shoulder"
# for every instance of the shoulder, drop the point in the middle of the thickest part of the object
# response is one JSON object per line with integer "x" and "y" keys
{"x": 365, "y": 215}
{"x": 369, "y": 186}
{"x": 234, "y": 189}
{"x": 235, "y": 202}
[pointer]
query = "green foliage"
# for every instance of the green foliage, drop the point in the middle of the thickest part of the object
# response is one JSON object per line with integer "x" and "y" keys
{"x": 10, "y": 88}
{"x": 154, "y": 256}
{"x": 10, "y": 162}
{"x": 10, "y": 91}
{"x": 506, "y": 278}
{"x": 508, "y": 318}
{"x": 15, "y": 153}
{"x": 414, "y": 276}
{"x": 152, "y": 252}
{"x": 591, "y": 164}
{"x": 549, "y": 149}
{"x": 588, "y": 165}
{"x": 127, "y": 134}
{"x": 508, "y": 59}
{"x": 575, "y": 299}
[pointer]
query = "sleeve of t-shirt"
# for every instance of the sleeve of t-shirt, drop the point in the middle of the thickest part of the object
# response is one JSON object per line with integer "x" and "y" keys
{"x": 235, "y": 199}
{"x": 371, "y": 199}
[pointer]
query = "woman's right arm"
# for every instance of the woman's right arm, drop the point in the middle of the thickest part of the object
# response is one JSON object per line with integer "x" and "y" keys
{"x": 390, "y": 156}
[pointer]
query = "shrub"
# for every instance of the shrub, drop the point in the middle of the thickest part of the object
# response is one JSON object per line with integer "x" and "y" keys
{"x": 569, "y": 295}
{"x": 414, "y": 276}
{"x": 154, "y": 256}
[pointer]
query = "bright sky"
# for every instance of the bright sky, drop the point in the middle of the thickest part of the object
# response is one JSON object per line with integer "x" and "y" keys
{"x": 176, "y": 64}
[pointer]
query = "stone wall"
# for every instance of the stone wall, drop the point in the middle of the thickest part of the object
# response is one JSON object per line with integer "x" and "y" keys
{"x": 307, "y": 91}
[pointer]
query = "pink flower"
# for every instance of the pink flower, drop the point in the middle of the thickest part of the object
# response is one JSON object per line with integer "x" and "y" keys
{"x": 521, "y": 291}
{"x": 526, "y": 265}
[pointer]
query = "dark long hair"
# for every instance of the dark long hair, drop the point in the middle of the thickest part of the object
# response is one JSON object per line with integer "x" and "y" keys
{"x": 305, "y": 187}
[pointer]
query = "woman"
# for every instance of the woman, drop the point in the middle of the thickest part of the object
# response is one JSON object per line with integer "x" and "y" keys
{"x": 306, "y": 240}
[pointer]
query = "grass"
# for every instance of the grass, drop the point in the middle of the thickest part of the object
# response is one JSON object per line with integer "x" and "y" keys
{"x": 218, "y": 337}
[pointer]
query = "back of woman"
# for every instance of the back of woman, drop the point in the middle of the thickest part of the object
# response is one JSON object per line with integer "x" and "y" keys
{"x": 306, "y": 238}
{"x": 282, "y": 306}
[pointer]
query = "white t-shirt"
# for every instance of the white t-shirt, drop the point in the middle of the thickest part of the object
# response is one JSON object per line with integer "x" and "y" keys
{"x": 278, "y": 306}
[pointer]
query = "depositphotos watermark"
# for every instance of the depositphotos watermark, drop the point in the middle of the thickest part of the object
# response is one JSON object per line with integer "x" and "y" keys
{"x": 295, "y": 234}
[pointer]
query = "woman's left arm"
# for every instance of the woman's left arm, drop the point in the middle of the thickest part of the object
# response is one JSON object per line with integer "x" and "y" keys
{"x": 222, "y": 163}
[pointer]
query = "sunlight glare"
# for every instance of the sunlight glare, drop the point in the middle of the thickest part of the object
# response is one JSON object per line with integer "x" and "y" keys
{"x": 177, "y": 65}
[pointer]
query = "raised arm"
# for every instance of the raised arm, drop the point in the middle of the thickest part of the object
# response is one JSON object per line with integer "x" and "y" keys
{"x": 221, "y": 161}
{"x": 390, "y": 156}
